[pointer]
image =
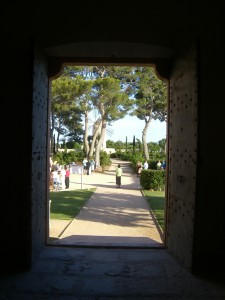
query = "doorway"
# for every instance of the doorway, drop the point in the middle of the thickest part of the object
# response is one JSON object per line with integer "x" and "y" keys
{"x": 135, "y": 80}
{"x": 182, "y": 138}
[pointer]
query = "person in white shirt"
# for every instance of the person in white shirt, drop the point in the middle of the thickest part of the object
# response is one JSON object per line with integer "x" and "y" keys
{"x": 145, "y": 166}
{"x": 63, "y": 174}
{"x": 55, "y": 177}
{"x": 158, "y": 165}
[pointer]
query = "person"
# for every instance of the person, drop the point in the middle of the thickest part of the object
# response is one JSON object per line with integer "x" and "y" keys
{"x": 88, "y": 167}
{"x": 139, "y": 168}
{"x": 85, "y": 165}
{"x": 92, "y": 164}
{"x": 60, "y": 177}
{"x": 158, "y": 165}
{"x": 63, "y": 175}
{"x": 55, "y": 177}
{"x": 67, "y": 176}
{"x": 145, "y": 165}
{"x": 118, "y": 175}
{"x": 163, "y": 166}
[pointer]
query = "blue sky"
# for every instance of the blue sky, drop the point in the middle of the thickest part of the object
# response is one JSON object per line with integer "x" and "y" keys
{"x": 130, "y": 126}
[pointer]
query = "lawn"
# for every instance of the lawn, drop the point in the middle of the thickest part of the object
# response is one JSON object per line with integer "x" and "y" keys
{"x": 65, "y": 205}
{"x": 156, "y": 201}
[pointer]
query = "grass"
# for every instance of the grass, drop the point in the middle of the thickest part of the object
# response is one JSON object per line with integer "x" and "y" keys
{"x": 156, "y": 201}
{"x": 65, "y": 205}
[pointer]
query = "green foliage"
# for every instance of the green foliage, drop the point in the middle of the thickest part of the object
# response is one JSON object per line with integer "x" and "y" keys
{"x": 153, "y": 179}
{"x": 72, "y": 145}
{"x": 119, "y": 146}
{"x": 113, "y": 155}
{"x": 110, "y": 144}
{"x": 152, "y": 164}
{"x": 65, "y": 157}
{"x": 157, "y": 150}
{"x": 150, "y": 101}
{"x": 65, "y": 205}
{"x": 66, "y": 111}
{"x": 127, "y": 156}
{"x": 104, "y": 160}
{"x": 150, "y": 96}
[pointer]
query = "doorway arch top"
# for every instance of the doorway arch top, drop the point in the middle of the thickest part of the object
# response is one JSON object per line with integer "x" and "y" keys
{"x": 117, "y": 53}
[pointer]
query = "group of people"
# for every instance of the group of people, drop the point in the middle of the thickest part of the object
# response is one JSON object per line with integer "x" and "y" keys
{"x": 160, "y": 166}
{"x": 140, "y": 167}
{"x": 119, "y": 171}
{"x": 60, "y": 176}
{"x": 89, "y": 165}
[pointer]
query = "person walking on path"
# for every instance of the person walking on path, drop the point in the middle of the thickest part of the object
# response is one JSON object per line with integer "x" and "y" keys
{"x": 118, "y": 175}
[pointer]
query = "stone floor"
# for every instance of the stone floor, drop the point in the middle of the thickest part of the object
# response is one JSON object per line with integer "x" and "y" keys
{"x": 66, "y": 273}
{"x": 108, "y": 252}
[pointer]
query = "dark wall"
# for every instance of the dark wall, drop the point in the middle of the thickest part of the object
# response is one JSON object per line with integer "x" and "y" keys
{"x": 16, "y": 96}
{"x": 209, "y": 239}
{"x": 171, "y": 25}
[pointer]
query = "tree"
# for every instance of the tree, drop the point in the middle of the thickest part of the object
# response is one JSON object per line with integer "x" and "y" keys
{"x": 65, "y": 112}
{"x": 150, "y": 100}
{"x": 113, "y": 92}
{"x": 71, "y": 98}
{"x": 111, "y": 103}
{"x": 110, "y": 144}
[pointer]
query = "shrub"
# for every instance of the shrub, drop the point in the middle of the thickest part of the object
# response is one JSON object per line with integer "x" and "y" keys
{"x": 153, "y": 179}
{"x": 66, "y": 157}
{"x": 104, "y": 160}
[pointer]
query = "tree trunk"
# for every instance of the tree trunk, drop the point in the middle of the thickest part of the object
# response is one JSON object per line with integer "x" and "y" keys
{"x": 86, "y": 144}
{"x": 95, "y": 135}
{"x": 134, "y": 144}
{"x": 144, "y": 142}
{"x": 100, "y": 142}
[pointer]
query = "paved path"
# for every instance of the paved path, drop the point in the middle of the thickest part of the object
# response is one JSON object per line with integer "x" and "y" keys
{"x": 112, "y": 216}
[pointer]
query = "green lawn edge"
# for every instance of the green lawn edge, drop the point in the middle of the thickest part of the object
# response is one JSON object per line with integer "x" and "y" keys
{"x": 156, "y": 202}
{"x": 65, "y": 205}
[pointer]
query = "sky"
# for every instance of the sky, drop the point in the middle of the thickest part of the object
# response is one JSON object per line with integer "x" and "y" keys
{"x": 130, "y": 126}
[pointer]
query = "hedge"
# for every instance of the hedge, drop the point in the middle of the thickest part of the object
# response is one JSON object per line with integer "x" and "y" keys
{"x": 153, "y": 179}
